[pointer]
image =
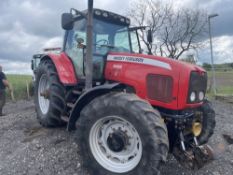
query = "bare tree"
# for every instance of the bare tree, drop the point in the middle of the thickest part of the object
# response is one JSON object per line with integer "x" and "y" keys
{"x": 174, "y": 30}
{"x": 147, "y": 13}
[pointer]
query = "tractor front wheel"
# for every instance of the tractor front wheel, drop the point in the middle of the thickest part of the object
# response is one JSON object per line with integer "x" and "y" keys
{"x": 119, "y": 133}
{"x": 49, "y": 95}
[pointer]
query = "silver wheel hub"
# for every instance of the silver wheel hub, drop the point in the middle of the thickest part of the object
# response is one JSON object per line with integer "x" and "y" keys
{"x": 115, "y": 144}
{"x": 43, "y": 94}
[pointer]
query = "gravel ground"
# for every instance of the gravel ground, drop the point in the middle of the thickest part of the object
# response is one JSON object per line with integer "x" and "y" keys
{"x": 27, "y": 148}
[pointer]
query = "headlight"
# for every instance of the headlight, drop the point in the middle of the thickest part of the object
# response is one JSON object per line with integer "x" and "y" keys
{"x": 192, "y": 96}
{"x": 201, "y": 95}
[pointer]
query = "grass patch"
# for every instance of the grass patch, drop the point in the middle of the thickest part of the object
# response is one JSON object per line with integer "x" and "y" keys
{"x": 224, "y": 82}
{"x": 19, "y": 84}
{"x": 225, "y": 90}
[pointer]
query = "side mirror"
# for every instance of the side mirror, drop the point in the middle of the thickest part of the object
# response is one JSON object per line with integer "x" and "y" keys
{"x": 67, "y": 21}
{"x": 149, "y": 36}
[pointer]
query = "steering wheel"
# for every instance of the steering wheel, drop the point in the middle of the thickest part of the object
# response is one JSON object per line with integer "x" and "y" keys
{"x": 105, "y": 42}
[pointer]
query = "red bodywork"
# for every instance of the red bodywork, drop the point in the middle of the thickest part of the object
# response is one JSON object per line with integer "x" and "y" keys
{"x": 64, "y": 68}
{"x": 135, "y": 75}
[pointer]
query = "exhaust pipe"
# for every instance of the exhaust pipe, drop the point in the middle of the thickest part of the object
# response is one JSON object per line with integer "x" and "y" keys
{"x": 88, "y": 58}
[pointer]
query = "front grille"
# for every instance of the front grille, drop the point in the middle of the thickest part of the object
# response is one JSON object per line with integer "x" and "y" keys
{"x": 159, "y": 87}
{"x": 197, "y": 83}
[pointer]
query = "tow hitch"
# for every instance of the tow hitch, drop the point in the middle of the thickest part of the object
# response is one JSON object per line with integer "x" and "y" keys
{"x": 194, "y": 158}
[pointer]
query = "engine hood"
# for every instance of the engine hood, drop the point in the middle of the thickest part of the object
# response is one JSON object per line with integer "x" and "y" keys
{"x": 135, "y": 70}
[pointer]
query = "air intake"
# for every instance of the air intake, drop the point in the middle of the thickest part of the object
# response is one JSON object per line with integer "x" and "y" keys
{"x": 159, "y": 87}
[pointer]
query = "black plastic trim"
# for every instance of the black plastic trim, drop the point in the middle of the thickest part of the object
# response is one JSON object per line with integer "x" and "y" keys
{"x": 86, "y": 98}
{"x": 197, "y": 83}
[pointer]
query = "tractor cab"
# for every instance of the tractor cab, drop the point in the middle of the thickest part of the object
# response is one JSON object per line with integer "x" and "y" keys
{"x": 111, "y": 33}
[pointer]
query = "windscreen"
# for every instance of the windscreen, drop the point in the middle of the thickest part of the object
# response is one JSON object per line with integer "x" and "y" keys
{"x": 110, "y": 37}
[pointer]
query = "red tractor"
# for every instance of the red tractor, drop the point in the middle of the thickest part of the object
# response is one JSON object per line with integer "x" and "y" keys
{"x": 129, "y": 109}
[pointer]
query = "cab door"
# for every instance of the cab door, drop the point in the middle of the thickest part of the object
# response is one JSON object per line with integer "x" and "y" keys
{"x": 74, "y": 49}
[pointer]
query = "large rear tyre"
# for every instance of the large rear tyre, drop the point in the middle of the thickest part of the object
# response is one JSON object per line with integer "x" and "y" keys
{"x": 49, "y": 95}
{"x": 208, "y": 122}
{"x": 119, "y": 133}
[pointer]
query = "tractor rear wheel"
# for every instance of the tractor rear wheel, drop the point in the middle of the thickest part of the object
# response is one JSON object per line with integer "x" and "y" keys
{"x": 49, "y": 95}
{"x": 208, "y": 122}
{"x": 119, "y": 133}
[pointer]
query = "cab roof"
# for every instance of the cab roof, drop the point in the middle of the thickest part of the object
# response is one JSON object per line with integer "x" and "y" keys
{"x": 105, "y": 16}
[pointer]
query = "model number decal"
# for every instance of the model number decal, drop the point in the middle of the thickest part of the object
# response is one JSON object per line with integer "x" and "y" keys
{"x": 132, "y": 59}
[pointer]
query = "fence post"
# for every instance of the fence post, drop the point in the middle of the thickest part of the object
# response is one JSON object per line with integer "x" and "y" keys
{"x": 28, "y": 93}
{"x": 12, "y": 94}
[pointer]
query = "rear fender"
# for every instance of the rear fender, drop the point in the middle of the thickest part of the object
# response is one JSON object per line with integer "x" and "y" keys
{"x": 64, "y": 67}
{"x": 87, "y": 97}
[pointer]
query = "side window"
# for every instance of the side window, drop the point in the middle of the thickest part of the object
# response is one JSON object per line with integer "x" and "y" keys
{"x": 72, "y": 49}
{"x": 71, "y": 44}
{"x": 134, "y": 42}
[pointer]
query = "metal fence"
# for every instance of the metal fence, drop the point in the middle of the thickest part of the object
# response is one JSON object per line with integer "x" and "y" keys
{"x": 22, "y": 87}
{"x": 224, "y": 81}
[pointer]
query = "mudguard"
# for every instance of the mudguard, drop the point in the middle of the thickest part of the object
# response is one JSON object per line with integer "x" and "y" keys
{"x": 64, "y": 66}
{"x": 86, "y": 98}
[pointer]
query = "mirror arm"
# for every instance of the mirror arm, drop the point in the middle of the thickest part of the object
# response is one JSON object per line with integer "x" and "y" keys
{"x": 137, "y": 28}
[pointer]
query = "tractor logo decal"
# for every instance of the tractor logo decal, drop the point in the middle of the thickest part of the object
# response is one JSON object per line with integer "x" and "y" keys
{"x": 139, "y": 60}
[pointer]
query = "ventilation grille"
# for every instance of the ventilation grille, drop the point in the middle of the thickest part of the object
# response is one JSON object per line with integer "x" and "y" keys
{"x": 159, "y": 87}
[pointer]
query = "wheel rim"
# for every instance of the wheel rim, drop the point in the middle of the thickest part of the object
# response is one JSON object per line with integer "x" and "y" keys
{"x": 115, "y": 144}
{"x": 43, "y": 99}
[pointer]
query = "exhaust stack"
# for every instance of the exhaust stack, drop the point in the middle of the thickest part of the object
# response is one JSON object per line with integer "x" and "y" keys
{"x": 89, "y": 60}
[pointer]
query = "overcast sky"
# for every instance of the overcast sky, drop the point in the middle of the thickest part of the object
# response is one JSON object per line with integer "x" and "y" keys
{"x": 28, "y": 26}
